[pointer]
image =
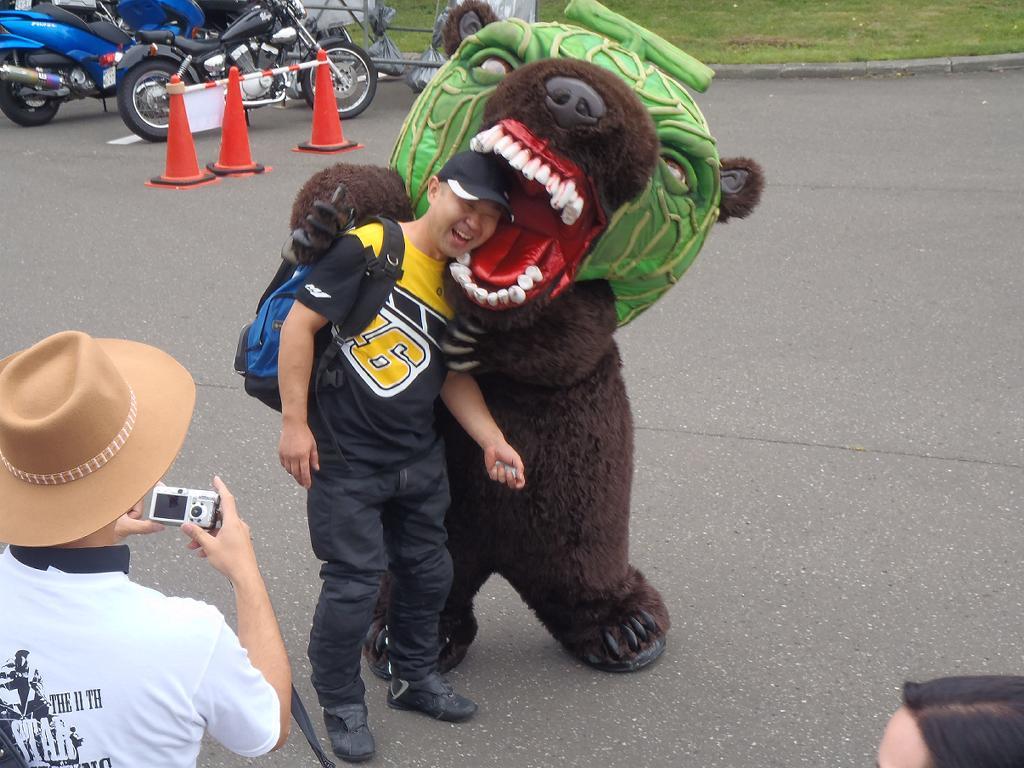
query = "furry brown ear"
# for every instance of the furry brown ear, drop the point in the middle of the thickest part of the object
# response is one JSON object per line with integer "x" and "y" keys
{"x": 742, "y": 183}
{"x": 465, "y": 20}
{"x": 372, "y": 190}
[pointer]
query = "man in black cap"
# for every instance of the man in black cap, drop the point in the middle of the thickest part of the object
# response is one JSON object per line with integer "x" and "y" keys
{"x": 380, "y": 504}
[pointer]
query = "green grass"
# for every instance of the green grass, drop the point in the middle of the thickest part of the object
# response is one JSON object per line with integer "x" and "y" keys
{"x": 775, "y": 31}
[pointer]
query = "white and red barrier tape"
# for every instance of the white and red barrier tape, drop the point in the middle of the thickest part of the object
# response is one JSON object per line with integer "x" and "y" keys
{"x": 182, "y": 88}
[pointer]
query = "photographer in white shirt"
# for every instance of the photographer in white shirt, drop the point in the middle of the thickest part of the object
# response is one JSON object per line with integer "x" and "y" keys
{"x": 94, "y": 669}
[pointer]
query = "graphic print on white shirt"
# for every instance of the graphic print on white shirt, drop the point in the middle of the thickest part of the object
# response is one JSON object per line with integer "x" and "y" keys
{"x": 33, "y": 719}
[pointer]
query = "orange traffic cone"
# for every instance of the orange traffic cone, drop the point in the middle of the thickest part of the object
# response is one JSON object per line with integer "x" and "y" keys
{"x": 182, "y": 167}
{"x": 327, "y": 136}
{"x": 235, "y": 155}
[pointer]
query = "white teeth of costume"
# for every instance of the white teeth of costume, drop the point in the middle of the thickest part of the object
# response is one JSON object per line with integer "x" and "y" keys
{"x": 572, "y": 211}
{"x": 562, "y": 193}
{"x": 514, "y": 294}
{"x": 520, "y": 160}
{"x": 565, "y": 194}
{"x": 531, "y": 168}
{"x": 558, "y": 193}
{"x": 501, "y": 144}
{"x": 485, "y": 140}
{"x": 511, "y": 150}
{"x": 564, "y": 198}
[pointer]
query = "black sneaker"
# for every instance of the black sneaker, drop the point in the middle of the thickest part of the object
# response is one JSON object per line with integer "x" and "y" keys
{"x": 432, "y": 696}
{"x": 350, "y": 735}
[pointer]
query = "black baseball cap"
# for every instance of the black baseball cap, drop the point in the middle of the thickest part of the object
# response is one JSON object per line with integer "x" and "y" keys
{"x": 477, "y": 176}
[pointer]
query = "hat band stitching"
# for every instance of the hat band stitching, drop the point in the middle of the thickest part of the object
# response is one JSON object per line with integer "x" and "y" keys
{"x": 86, "y": 468}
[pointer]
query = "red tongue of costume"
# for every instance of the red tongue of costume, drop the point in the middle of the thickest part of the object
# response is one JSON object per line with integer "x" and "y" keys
{"x": 538, "y": 236}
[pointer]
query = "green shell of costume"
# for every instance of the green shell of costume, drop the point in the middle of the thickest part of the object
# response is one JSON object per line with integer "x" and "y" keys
{"x": 650, "y": 241}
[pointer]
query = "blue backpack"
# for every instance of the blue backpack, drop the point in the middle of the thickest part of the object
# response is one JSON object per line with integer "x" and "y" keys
{"x": 260, "y": 340}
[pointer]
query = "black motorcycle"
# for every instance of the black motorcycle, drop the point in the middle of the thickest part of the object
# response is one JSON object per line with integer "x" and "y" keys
{"x": 268, "y": 35}
{"x": 220, "y": 13}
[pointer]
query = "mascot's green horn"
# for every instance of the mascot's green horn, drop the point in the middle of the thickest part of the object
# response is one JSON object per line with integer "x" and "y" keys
{"x": 642, "y": 42}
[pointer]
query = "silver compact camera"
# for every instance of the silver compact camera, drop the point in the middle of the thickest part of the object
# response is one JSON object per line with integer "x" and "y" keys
{"x": 177, "y": 506}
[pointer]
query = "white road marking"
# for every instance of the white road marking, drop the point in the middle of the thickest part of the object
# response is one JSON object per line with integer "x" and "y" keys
{"x": 126, "y": 140}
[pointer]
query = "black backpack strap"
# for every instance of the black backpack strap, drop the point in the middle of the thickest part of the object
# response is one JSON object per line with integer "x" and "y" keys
{"x": 392, "y": 249}
{"x": 330, "y": 376}
{"x": 306, "y": 726}
{"x": 382, "y": 272}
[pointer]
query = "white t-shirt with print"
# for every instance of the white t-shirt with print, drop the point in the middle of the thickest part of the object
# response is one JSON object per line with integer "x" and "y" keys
{"x": 98, "y": 671}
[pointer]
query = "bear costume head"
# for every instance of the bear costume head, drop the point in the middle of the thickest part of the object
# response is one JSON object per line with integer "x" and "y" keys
{"x": 615, "y": 174}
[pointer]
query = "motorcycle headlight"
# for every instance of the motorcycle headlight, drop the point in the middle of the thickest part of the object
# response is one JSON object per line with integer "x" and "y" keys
{"x": 298, "y": 8}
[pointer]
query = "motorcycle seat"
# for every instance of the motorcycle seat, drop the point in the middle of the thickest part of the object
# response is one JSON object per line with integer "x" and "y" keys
{"x": 196, "y": 47}
{"x": 154, "y": 36}
{"x": 109, "y": 32}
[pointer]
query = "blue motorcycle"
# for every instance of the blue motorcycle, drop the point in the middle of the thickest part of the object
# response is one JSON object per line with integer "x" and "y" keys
{"x": 49, "y": 55}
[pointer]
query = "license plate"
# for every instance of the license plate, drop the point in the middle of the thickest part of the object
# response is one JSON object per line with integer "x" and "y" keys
{"x": 23, "y": 5}
{"x": 109, "y": 77}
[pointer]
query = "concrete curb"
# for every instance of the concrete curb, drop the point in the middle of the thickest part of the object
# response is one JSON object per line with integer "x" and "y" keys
{"x": 944, "y": 65}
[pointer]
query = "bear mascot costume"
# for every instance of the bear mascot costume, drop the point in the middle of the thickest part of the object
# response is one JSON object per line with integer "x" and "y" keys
{"x": 616, "y": 184}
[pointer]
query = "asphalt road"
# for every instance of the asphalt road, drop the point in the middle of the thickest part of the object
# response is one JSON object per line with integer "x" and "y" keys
{"x": 829, "y": 407}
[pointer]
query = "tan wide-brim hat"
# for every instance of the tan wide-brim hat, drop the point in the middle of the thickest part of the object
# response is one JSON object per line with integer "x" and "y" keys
{"x": 87, "y": 427}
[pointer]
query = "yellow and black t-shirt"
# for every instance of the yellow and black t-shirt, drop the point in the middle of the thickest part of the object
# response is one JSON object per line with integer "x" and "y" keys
{"x": 383, "y": 414}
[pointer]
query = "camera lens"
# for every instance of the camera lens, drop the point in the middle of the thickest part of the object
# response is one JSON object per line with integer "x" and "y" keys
{"x": 196, "y": 511}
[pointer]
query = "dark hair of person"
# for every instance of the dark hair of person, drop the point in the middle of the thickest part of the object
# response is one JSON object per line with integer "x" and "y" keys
{"x": 970, "y": 722}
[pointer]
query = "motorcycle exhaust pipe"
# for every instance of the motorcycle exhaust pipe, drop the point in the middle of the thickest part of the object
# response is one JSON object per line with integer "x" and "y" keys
{"x": 31, "y": 77}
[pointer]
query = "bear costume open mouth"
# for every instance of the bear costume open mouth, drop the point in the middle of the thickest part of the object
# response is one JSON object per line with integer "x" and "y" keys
{"x": 556, "y": 216}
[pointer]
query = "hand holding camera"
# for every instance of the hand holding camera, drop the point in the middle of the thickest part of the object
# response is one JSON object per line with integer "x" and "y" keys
{"x": 229, "y": 547}
{"x": 132, "y": 523}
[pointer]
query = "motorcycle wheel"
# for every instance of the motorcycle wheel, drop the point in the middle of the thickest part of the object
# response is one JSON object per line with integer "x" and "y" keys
{"x": 29, "y": 111}
{"x": 358, "y": 83}
{"x": 142, "y": 98}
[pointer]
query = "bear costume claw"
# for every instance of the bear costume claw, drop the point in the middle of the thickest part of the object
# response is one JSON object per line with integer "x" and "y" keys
{"x": 319, "y": 228}
{"x": 633, "y": 663}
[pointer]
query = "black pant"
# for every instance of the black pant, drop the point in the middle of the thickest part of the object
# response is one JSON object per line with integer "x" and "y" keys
{"x": 360, "y": 527}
